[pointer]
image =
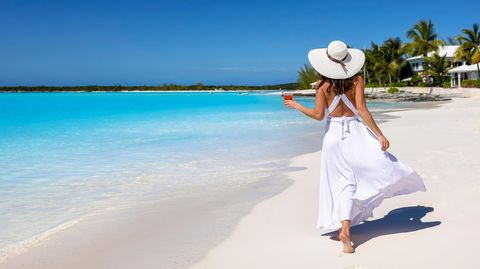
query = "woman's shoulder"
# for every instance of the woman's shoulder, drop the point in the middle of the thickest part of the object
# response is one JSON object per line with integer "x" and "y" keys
{"x": 358, "y": 82}
{"x": 357, "y": 78}
{"x": 322, "y": 83}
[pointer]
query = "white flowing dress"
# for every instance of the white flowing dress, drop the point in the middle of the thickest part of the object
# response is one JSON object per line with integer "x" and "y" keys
{"x": 355, "y": 174}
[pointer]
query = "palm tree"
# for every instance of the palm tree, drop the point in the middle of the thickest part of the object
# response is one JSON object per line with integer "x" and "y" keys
{"x": 368, "y": 66}
{"x": 376, "y": 63}
{"x": 307, "y": 75}
{"x": 469, "y": 49}
{"x": 437, "y": 67}
{"x": 370, "y": 61}
{"x": 365, "y": 70}
{"x": 392, "y": 52}
{"x": 383, "y": 63}
{"x": 424, "y": 38}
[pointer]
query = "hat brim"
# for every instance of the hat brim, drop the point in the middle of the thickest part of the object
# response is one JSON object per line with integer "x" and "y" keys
{"x": 353, "y": 63}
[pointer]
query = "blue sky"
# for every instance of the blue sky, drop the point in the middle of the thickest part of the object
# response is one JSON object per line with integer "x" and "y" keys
{"x": 244, "y": 42}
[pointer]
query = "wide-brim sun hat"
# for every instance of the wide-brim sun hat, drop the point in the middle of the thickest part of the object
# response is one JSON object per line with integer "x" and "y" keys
{"x": 337, "y": 61}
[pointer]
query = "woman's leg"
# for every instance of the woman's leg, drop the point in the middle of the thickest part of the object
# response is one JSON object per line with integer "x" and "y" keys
{"x": 335, "y": 236}
{"x": 344, "y": 236}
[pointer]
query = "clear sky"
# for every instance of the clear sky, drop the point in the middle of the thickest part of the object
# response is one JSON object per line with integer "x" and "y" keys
{"x": 243, "y": 42}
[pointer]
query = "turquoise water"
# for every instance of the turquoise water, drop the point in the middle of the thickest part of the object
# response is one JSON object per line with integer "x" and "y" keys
{"x": 65, "y": 155}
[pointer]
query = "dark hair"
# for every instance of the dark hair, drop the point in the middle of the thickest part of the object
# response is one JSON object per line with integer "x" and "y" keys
{"x": 339, "y": 86}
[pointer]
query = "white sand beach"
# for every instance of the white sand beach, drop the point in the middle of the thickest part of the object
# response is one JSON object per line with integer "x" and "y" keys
{"x": 423, "y": 230}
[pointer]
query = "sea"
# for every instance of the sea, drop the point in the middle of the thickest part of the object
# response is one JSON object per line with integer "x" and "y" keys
{"x": 64, "y": 156}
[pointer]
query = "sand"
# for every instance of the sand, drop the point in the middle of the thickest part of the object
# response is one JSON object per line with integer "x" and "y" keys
{"x": 274, "y": 226}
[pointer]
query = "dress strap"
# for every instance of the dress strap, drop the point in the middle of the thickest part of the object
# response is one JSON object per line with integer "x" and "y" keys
{"x": 334, "y": 104}
{"x": 349, "y": 104}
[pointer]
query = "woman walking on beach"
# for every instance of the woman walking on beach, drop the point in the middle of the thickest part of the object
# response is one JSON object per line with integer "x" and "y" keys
{"x": 356, "y": 170}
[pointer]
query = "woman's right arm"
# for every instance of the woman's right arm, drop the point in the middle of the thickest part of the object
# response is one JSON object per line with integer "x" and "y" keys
{"x": 366, "y": 115}
{"x": 318, "y": 112}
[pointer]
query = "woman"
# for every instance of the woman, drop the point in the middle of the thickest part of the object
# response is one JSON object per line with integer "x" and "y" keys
{"x": 357, "y": 171}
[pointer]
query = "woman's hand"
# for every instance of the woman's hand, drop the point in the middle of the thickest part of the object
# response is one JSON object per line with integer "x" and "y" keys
{"x": 384, "y": 143}
{"x": 291, "y": 104}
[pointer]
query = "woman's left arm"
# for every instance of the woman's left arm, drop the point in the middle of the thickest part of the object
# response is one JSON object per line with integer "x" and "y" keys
{"x": 317, "y": 113}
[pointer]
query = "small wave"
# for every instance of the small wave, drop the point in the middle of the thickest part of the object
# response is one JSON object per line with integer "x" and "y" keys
{"x": 22, "y": 246}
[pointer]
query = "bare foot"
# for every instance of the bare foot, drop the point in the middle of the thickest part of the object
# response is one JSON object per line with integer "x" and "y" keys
{"x": 347, "y": 243}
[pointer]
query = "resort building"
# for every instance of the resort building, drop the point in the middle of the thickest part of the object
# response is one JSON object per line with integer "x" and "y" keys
{"x": 448, "y": 51}
{"x": 463, "y": 72}
{"x": 458, "y": 72}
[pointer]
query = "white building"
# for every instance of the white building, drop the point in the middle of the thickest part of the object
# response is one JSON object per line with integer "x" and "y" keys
{"x": 457, "y": 74}
{"x": 459, "y": 70}
{"x": 448, "y": 51}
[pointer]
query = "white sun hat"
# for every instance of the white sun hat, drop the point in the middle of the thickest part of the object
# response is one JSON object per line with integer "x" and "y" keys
{"x": 337, "y": 61}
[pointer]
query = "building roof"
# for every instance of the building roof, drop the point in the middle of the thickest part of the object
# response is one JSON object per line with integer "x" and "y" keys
{"x": 448, "y": 50}
{"x": 464, "y": 69}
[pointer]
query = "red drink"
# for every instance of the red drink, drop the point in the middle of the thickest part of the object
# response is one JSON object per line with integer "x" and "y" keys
{"x": 287, "y": 96}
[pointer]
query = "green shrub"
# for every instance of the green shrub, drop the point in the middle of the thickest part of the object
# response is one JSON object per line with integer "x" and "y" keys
{"x": 372, "y": 85}
{"x": 393, "y": 90}
{"x": 446, "y": 84}
{"x": 422, "y": 84}
{"x": 415, "y": 79}
{"x": 470, "y": 83}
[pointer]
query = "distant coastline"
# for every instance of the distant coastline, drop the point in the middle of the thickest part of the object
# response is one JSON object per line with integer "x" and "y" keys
{"x": 160, "y": 88}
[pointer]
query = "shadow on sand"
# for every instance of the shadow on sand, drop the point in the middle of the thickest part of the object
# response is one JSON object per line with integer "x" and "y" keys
{"x": 400, "y": 220}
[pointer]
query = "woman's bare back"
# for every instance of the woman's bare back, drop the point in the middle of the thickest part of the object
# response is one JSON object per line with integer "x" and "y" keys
{"x": 341, "y": 109}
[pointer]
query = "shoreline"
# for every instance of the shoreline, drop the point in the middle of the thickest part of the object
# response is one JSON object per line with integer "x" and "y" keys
{"x": 11, "y": 251}
{"x": 67, "y": 241}
{"x": 148, "y": 228}
{"x": 56, "y": 233}
{"x": 14, "y": 248}
{"x": 25, "y": 246}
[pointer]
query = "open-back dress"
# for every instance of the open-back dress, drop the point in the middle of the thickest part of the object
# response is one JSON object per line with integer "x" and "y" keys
{"x": 355, "y": 174}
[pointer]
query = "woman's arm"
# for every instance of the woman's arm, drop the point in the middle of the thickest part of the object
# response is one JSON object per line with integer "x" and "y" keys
{"x": 317, "y": 113}
{"x": 366, "y": 115}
